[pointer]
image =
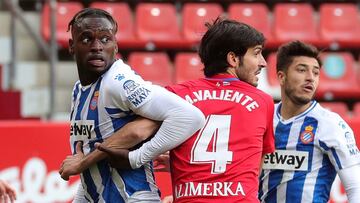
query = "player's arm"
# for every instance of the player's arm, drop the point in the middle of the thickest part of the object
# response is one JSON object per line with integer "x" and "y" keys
{"x": 350, "y": 178}
{"x": 338, "y": 139}
{"x": 180, "y": 121}
{"x": 126, "y": 137}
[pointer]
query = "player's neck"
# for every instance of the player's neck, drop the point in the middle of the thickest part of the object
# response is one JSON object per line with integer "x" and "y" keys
{"x": 290, "y": 109}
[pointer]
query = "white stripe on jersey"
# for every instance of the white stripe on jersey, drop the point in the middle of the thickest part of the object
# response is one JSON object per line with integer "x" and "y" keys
{"x": 95, "y": 174}
{"x": 120, "y": 185}
{"x": 322, "y": 134}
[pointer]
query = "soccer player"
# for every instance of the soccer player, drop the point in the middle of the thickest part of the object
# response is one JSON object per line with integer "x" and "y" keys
{"x": 108, "y": 95}
{"x": 221, "y": 162}
{"x": 7, "y": 193}
{"x": 312, "y": 143}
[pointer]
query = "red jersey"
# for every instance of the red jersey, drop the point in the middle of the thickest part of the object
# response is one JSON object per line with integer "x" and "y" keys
{"x": 221, "y": 162}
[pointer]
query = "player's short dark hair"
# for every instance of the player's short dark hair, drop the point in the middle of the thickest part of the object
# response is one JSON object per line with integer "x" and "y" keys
{"x": 91, "y": 12}
{"x": 224, "y": 36}
{"x": 288, "y": 51}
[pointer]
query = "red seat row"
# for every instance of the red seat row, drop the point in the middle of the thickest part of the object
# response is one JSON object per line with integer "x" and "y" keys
{"x": 159, "y": 25}
{"x": 158, "y": 68}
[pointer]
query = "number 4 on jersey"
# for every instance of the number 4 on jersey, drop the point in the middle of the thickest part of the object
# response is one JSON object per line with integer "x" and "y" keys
{"x": 212, "y": 144}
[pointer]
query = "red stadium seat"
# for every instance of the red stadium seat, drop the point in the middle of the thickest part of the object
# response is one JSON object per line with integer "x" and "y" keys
{"x": 64, "y": 13}
{"x": 337, "y": 107}
{"x": 157, "y": 24}
{"x": 194, "y": 16}
{"x": 123, "y": 16}
{"x": 188, "y": 66}
{"x": 340, "y": 24}
{"x": 250, "y": 13}
{"x": 338, "y": 76}
{"x": 271, "y": 70}
{"x": 295, "y": 21}
{"x": 10, "y": 108}
{"x": 152, "y": 66}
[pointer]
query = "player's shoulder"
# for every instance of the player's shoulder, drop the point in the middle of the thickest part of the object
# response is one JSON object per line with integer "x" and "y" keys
{"x": 254, "y": 91}
{"x": 328, "y": 118}
{"x": 119, "y": 74}
{"x": 119, "y": 67}
{"x": 264, "y": 95}
{"x": 191, "y": 84}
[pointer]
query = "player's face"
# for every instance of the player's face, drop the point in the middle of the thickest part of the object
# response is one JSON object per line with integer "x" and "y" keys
{"x": 93, "y": 45}
{"x": 301, "y": 79}
{"x": 250, "y": 66}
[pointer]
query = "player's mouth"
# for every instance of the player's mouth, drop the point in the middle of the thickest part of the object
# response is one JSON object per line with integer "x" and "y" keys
{"x": 97, "y": 61}
{"x": 308, "y": 88}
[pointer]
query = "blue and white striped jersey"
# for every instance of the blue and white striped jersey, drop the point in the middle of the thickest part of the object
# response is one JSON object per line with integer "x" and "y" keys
{"x": 98, "y": 110}
{"x": 310, "y": 149}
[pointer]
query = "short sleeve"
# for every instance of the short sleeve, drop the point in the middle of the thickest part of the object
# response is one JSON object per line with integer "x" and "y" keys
{"x": 337, "y": 140}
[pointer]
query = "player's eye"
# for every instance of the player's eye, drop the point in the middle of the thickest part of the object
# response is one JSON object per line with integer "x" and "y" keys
{"x": 105, "y": 39}
{"x": 316, "y": 72}
{"x": 85, "y": 40}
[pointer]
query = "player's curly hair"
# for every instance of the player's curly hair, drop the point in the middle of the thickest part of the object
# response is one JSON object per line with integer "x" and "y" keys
{"x": 91, "y": 12}
{"x": 288, "y": 51}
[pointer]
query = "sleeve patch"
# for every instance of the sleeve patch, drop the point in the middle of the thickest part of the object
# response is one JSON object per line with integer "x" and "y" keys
{"x": 135, "y": 92}
{"x": 351, "y": 144}
{"x": 130, "y": 86}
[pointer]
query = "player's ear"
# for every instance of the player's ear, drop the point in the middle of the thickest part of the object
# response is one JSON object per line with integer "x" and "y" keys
{"x": 116, "y": 49}
{"x": 281, "y": 77}
{"x": 232, "y": 59}
{"x": 71, "y": 46}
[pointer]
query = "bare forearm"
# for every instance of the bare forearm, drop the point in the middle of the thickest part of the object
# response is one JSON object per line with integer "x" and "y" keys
{"x": 132, "y": 133}
{"x": 126, "y": 137}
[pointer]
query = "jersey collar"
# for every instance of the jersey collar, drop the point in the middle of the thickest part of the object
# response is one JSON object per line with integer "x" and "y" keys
{"x": 313, "y": 104}
{"x": 223, "y": 77}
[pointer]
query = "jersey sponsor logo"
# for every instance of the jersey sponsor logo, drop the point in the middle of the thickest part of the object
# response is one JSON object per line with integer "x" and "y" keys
{"x": 189, "y": 189}
{"x": 307, "y": 136}
{"x": 130, "y": 86}
{"x": 94, "y": 100}
{"x": 138, "y": 96}
{"x": 81, "y": 130}
{"x": 119, "y": 77}
{"x": 225, "y": 95}
{"x": 287, "y": 160}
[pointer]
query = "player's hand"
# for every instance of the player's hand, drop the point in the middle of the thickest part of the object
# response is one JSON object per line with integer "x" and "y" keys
{"x": 7, "y": 193}
{"x": 72, "y": 164}
{"x": 118, "y": 158}
{"x": 161, "y": 163}
{"x": 168, "y": 199}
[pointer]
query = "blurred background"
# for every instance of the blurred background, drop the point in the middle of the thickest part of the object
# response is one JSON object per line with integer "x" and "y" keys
{"x": 159, "y": 39}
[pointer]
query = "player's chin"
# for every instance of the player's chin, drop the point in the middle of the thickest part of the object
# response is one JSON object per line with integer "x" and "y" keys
{"x": 255, "y": 82}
